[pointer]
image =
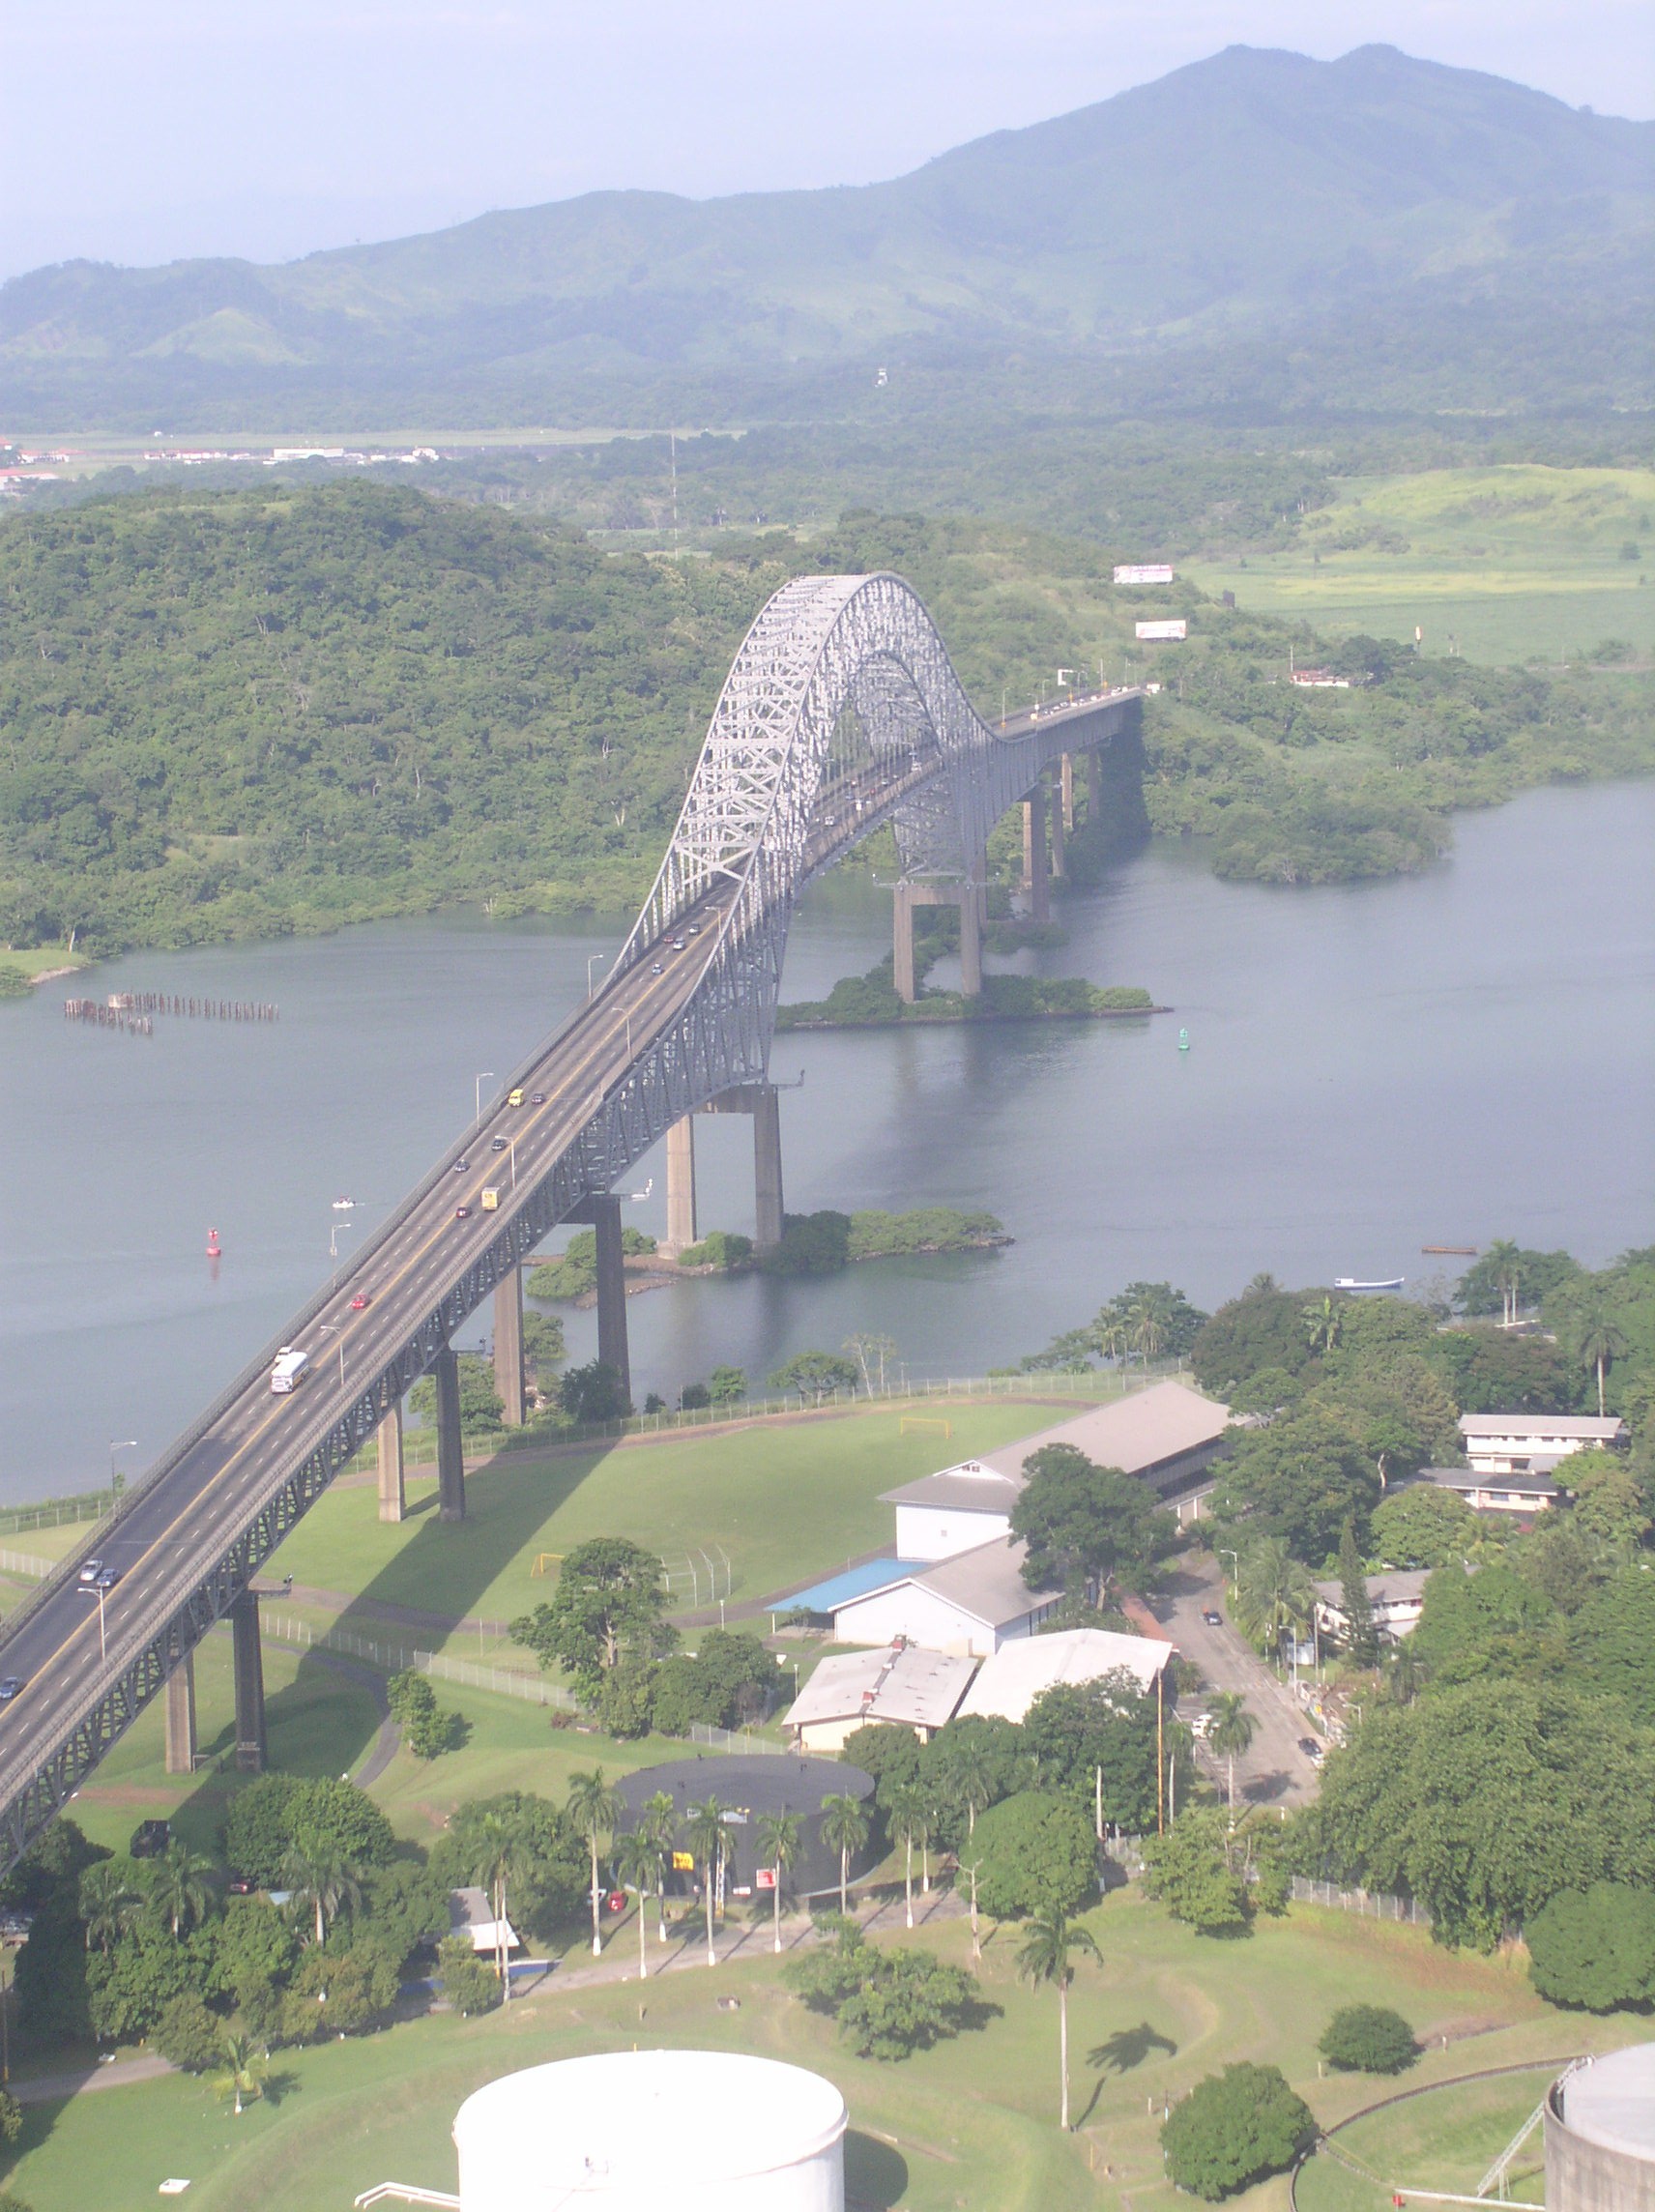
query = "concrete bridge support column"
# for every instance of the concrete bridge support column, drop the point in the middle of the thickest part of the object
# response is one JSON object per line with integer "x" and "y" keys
{"x": 1095, "y": 784}
{"x": 902, "y": 940}
{"x": 1034, "y": 865}
{"x": 181, "y": 1717}
{"x": 973, "y": 898}
{"x": 1058, "y": 868}
{"x": 450, "y": 1445}
{"x": 612, "y": 1347}
{"x": 392, "y": 1492}
{"x": 1067, "y": 771}
{"x": 767, "y": 1166}
{"x": 252, "y": 1750}
{"x": 508, "y": 1347}
{"x": 681, "y": 1185}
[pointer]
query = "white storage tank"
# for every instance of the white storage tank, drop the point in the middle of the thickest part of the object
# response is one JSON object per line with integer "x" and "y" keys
{"x": 655, "y": 2130}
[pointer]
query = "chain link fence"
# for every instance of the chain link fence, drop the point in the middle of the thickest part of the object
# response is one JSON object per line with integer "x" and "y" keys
{"x": 1371, "y": 1903}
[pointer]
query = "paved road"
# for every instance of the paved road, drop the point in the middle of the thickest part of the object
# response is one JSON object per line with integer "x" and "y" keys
{"x": 1274, "y": 1770}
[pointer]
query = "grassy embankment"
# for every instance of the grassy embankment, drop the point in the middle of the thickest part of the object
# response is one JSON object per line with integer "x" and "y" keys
{"x": 971, "y": 2123}
{"x": 1515, "y": 564}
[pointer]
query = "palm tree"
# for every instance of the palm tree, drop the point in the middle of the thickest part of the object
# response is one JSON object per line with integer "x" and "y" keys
{"x": 1595, "y": 1337}
{"x": 107, "y": 1901}
{"x": 907, "y": 1819}
{"x": 1272, "y": 1590}
{"x": 594, "y": 1806}
{"x": 1504, "y": 1263}
{"x": 708, "y": 1827}
{"x": 179, "y": 1886}
{"x": 971, "y": 1772}
{"x": 1230, "y": 1734}
{"x": 500, "y": 1855}
{"x": 1324, "y": 1323}
{"x": 243, "y": 2073}
{"x": 1148, "y": 1319}
{"x": 779, "y": 1846}
{"x": 658, "y": 1821}
{"x": 636, "y": 1859}
{"x": 845, "y": 1826}
{"x": 1112, "y": 1334}
{"x": 324, "y": 1882}
{"x": 1044, "y": 1956}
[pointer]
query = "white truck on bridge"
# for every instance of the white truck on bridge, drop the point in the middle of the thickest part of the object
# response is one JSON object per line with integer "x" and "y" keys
{"x": 289, "y": 1370}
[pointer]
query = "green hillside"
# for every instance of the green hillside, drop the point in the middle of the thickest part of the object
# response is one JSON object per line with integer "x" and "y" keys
{"x": 1438, "y": 227}
{"x": 242, "y": 714}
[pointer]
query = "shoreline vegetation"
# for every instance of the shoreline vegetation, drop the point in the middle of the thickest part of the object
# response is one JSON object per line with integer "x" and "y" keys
{"x": 818, "y": 1243}
{"x": 870, "y": 1002}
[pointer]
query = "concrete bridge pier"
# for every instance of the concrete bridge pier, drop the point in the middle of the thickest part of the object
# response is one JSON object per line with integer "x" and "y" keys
{"x": 508, "y": 1347}
{"x": 681, "y": 1187}
{"x": 181, "y": 1717}
{"x": 451, "y": 1444}
{"x": 1066, "y": 772}
{"x": 1055, "y": 809}
{"x": 970, "y": 897}
{"x": 251, "y": 1748}
{"x": 612, "y": 1347}
{"x": 393, "y": 1492}
{"x": 1095, "y": 784}
{"x": 1036, "y": 869}
{"x": 763, "y": 1103}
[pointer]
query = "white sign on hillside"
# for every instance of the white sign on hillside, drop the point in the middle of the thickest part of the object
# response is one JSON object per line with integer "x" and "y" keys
{"x": 1163, "y": 630}
{"x": 1144, "y": 572}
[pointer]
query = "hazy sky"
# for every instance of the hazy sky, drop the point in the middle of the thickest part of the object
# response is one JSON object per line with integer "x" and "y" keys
{"x": 267, "y": 128}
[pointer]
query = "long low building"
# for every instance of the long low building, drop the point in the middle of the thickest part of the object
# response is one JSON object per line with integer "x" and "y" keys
{"x": 968, "y": 1604}
{"x": 1533, "y": 1444}
{"x": 1496, "y": 1493}
{"x": 1396, "y": 1598}
{"x": 1165, "y": 1435}
{"x": 1008, "y": 1683}
{"x": 901, "y": 1686}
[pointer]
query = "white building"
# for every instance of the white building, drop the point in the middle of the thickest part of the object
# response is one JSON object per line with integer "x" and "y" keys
{"x": 1496, "y": 1493}
{"x": 1397, "y": 1598}
{"x": 1524, "y": 1444}
{"x": 1008, "y": 1683}
{"x": 1166, "y": 1435}
{"x": 901, "y": 1686}
{"x": 470, "y": 1913}
{"x": 968, "y": 1604}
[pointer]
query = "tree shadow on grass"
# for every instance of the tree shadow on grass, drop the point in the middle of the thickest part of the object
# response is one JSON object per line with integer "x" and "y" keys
{"x": 876, "y": 2173}
{"x": 1120, "y": 2053}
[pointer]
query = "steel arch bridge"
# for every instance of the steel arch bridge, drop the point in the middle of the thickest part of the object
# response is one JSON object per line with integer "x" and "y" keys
{"x": 842, "y": 712}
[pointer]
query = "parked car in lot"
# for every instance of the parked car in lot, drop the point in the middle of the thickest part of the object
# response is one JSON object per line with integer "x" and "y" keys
{"x": 1213, "y": 1618}
{"x": 1311, "y": 1746}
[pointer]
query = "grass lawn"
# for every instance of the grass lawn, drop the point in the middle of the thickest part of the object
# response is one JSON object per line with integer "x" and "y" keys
{"x": 1444, "y": 2140}
{"x": 38, "y": 959}
{"x": 1513, "y": 563}
{"x": 787, "y": 1501}
{"x": 969, "y": 2124}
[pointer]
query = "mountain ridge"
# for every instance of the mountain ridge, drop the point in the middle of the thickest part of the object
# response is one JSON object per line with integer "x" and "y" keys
{"x": 1256, "y": 191}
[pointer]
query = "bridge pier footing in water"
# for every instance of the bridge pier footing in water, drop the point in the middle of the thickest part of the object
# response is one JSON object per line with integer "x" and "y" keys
{"x": 393, "y": 1492}
{"x": 252, "y": 1750}
{"x": 508, "y": 1347}
{"x": 970, "y": 897}
{"x": 451, "y": 1444}
{"x": 181, "y": 1717}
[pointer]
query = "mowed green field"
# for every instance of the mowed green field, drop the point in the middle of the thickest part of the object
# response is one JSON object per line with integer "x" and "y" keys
{"x": 787, "y": 1499}
{"x": 970, "y": 2124}
{"x": 1505, "y": 565}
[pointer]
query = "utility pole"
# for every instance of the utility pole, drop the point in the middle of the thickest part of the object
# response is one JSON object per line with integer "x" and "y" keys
{"x": 672, "y": 448}
{"x": 1160, "y": 1757}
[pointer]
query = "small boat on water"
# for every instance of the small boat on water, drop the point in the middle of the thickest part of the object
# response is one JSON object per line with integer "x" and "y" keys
{"x": 1459, "y": 1251}
{"x": 1350, "y": 1283}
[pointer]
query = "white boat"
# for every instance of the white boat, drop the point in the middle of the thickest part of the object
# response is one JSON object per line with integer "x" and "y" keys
{"x": 1350, "y": 1283}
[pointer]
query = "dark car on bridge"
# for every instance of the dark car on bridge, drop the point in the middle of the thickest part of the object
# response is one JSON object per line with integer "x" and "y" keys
{"x": 10, "y": 1687}
{"x": 462, "y": 1213}
{"x": 496, "y": 1144}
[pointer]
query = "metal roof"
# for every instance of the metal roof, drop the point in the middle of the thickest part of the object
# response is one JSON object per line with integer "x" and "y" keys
{"x": 1009, "y": 1682}
{"x": 835, "y": 1590}
{"x": 970, "y": 1488}
{"x": 900, "y": 1682}
{"x": 1579, "y": 1425}
{"x": 986, "y": 1581}
{"x": 1141, "y": 1430}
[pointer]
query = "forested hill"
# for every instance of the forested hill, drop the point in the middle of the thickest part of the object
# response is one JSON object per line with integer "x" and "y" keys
{"x": 238, "y": 713}
{"x": 1436, "y": 229}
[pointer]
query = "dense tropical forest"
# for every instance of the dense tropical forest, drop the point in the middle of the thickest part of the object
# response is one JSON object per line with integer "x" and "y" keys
{"x": 238, "y": 713}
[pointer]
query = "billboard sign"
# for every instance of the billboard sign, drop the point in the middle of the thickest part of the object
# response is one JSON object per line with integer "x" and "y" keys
{"x": 1143, "y": 572}
{"x": 1163, "y": 630}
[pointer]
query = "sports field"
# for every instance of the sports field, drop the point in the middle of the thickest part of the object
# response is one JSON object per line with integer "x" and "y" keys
{"x": 1504, "y": 564}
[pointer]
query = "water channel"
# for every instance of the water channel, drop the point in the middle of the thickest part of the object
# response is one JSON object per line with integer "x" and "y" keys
{"x": 1372, "y": 1068}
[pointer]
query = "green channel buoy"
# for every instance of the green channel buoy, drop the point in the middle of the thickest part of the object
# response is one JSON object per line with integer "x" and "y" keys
{"x": 1184, "y": 1041}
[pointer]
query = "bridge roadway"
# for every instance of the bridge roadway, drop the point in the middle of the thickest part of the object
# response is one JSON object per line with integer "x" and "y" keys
{"x": 66, "y": 1649}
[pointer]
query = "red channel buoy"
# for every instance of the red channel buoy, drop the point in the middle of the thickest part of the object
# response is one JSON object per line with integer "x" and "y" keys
{"x": 215, "y": 1250}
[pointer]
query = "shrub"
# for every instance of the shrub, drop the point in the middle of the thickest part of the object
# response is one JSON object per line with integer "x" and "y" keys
{"x": 1036, "y": 1853}
{"x": 189, "y": 2035}
{"x": 10, "y": 2118}
{"x": 281, "y": 1813}
{"x": 1234, "y": 2128}
{"x": 888, "y": 2003}
{"x": 1594, "y": 1947}
{"x": 719, "y": 1248}
{"x": 14, "y": 981}
{"x": 469, "y": 1983}
{"x": 1188, "y": 1870}
{"x": 1368, "y": 2039}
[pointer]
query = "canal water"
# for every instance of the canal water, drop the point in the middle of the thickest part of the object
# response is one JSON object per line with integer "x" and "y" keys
{"x": 1371, "y": 1068}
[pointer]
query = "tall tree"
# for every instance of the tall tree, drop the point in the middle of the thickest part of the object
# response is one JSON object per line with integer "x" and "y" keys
{"x": 1361, "y": 1639}
{"x": 1595, "y": 1336}
{"x": 325, "y": 1882}
{"x": 180, "y": 1886}
{"x": 1231, "y": 1733}
{"x": 635, "y": 1861}
{"x": 610, "y": 1603}
{"x": 1273, "y": 1590}
{"x": 1087, "y": 1524}
{"x": 594, "y": 1806}
{"x": 845, "y": 1828}
{"x": 907, "y": 1817}
{"x": 658, "y": 1821}
{"x": 1046, "y": 1955}
{"x": 779, "y": 1842}
{"x": 109, "y": 1900}
{"x": 709, "y": 1832}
